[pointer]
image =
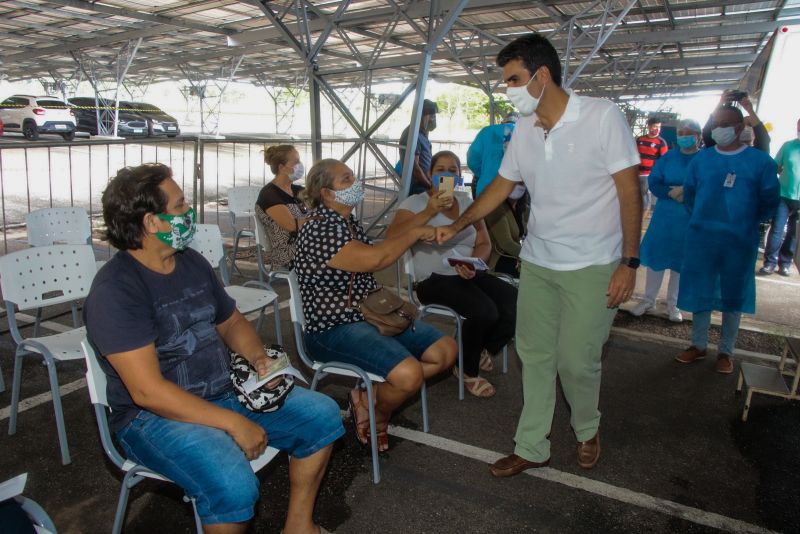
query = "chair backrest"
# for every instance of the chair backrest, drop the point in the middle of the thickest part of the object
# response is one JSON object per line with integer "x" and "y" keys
{"x": 95, "y": 377}
{"x": 44, "y": 276}
{"x": 242, "y": 200}
{"x": 96, "y": 384}
{"x": 207, "y": 241}
{"x": 411, "y": 277}
{"x": 298, "y": 318}
{"x": 50, "y": 226}
{"x": 262, "y": 239}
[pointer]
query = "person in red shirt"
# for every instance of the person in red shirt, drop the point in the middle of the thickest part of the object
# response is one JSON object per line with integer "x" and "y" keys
{"x": 651, "y": 147}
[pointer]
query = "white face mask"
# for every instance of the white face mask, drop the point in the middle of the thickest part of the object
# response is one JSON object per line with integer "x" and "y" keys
{"x": 522, "y": 99}
{"x": 724, "y": 136}
{"x": 517, "y": 192}
{"x": 298, "y": 172}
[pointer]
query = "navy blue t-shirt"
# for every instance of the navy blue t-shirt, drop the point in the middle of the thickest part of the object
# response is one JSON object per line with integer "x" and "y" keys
{"x": 129, "y": 306}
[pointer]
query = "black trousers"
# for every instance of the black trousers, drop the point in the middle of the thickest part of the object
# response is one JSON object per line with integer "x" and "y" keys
{"x": 488, "y": 304}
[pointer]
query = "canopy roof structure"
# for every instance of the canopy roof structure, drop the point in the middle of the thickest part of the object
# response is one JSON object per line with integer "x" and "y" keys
{"x": 615, "y": 48}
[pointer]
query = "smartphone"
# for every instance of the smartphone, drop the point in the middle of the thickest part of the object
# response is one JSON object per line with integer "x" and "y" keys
{"x": 446, "y": 183}
{"x": 455, "y": 261}
{"x": 735, "y": 95}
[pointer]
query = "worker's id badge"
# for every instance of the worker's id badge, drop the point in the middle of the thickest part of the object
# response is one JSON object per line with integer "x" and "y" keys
{"x": 730, "y": 179}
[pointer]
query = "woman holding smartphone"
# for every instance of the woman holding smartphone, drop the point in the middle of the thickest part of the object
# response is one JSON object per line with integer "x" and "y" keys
{"x": 487, "y": 303}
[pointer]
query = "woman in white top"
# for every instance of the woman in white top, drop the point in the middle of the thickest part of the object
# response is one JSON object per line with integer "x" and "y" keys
{"x": 488, "y": 303}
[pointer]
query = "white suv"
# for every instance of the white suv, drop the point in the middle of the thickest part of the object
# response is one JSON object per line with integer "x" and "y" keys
{"x": 33, "y": 115}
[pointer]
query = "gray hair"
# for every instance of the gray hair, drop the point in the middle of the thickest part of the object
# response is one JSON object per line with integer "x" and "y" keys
{"x": 318, "y": 177}
{"x": 690, "y": 124}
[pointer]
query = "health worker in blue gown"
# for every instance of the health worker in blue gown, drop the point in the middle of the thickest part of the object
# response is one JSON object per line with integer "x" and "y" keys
{"x": 662, "y": 246}
{"x": 729, "y": 190}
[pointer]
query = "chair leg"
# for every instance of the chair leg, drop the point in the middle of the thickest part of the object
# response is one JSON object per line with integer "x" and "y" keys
{"x": 37, "y": 322}
{"x": 62, "y": 432}
{"x": 122, "y": 504}
{"x": 460, "y": 360}
{"x": 276, "y": 310}
{"x": 373, "y": 434}
{"x": 747, "y": 403}
{"x": 198, "y": 525}
{"x": 76, "y": 321}
{"x": 423, "y": 393}
{"x": 236, "y": 236}
{"x": 505, "y": 359}
{"x": 16, "y": 384}
{"x": 260, "y": 320}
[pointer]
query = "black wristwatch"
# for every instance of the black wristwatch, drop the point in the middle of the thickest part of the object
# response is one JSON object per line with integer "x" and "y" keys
{"x": 633, "y": 263}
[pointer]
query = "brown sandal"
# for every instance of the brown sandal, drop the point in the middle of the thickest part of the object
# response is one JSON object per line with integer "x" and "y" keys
{"x": 478, "y": 386}
{"x": 382, "y": 429}
{"x": 359, "y": 414}
{"x": 486, "y": 364}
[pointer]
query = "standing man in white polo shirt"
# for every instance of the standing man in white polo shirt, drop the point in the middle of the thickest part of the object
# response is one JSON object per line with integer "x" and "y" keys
{"x": 577, "y": 157}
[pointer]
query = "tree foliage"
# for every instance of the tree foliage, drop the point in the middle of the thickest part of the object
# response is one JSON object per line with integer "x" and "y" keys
{"x": 470, "y": 107}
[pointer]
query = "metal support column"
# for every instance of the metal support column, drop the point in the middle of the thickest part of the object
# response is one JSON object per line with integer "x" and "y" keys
{"x": 316, "y": 122}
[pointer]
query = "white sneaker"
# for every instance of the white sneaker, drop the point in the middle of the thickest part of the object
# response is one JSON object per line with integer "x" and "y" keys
{"x": 674, "y": 314}
{"x": 641, "y": 308}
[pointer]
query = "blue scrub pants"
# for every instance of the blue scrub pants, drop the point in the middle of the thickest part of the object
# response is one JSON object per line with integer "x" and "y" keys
{"x": 701, "y": 321}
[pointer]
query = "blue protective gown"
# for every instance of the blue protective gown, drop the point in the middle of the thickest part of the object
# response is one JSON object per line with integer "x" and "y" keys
{"x": 721, "y": 245}
{"x": 486, "y": 153}
{"x": 662, "y": 246}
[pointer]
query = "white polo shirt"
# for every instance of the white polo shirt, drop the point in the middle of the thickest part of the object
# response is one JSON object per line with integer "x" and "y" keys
{"x": 574, "y": 220}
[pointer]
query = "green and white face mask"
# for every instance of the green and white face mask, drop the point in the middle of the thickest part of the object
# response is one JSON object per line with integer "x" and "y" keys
{"x": 182, "y": 229}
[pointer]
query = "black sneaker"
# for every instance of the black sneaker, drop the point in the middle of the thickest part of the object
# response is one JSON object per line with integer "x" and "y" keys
{"x": 785, "y": 271}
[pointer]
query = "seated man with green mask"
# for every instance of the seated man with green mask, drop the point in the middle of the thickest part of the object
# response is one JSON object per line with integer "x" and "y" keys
{"x": 163, "y": 325}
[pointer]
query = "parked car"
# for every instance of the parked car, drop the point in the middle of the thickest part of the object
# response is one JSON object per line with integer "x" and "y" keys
{"x": 34, "y": 115}
{"x": 129, "y": 124}
{"x": 1, "y": 126}
{"x": 158, "y": 122}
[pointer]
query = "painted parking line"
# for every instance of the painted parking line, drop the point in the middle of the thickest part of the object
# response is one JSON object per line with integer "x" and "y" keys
{"x": 42, "y": 398}
{"x": 635, "y": 498}
{"x": 778, "y": 281}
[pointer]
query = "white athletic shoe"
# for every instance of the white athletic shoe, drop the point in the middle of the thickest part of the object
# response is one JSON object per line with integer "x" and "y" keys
{"x": 674, "y": 314}
{"x": 641, "y": 308}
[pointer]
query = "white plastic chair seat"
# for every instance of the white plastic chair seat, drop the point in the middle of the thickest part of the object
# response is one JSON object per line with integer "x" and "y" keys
{"x": 346, "y": 372}
{"x": 250, "y": 299}
{"x": 64, "y": 346}
{"x": 256, "y": 465}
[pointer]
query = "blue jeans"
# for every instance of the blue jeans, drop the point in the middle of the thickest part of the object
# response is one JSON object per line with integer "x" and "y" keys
{"x": 782, "y": 237}
{"x": 701, "y": 321}
{"x": 208, "y": 464}
{"x": 361, "y": 344}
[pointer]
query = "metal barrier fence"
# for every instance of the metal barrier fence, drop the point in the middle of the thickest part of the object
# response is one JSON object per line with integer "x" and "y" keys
{"x": 41, "y": 174}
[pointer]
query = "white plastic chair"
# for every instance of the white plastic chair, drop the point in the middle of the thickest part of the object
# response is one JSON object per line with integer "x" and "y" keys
{"x": 59, "y": 226}
{"x": 249, "y": 297}
{"x": 322, "y": 369}
{"x": 263, "y": 250}
{"x": 241, "y": 204}
{"x": 12, "y": 489}
{"x": 54, "y": 226}
{"x": 38, "y": 277}
{"x": 445, "y": 311}
{"x": 134, "y": 473}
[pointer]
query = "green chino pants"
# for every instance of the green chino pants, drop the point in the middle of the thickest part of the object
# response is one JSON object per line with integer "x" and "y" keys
{"x": 562, "y": 324}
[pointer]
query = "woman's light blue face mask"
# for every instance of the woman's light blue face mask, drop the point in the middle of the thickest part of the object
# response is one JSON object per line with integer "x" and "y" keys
{"x": 352, "y": 196}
